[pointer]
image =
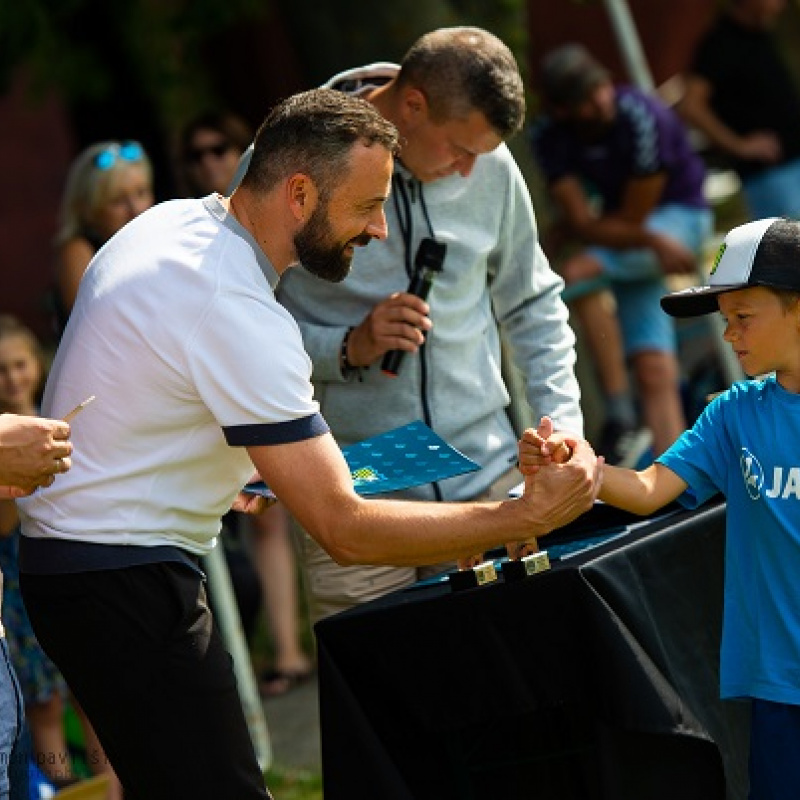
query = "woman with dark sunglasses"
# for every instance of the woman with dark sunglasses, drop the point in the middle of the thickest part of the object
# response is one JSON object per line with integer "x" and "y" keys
{"x": 109, "y": 183}
{"x": 209, "y": 149}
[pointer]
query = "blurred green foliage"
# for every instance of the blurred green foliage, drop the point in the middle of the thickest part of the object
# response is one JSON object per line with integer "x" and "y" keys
{"x": 333, "y": 35}
{"x": 166, "y": 47}
{"x": 69, "y": 45}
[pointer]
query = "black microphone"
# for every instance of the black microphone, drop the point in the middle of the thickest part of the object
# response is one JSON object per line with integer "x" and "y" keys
{"x": 429, "y": 261}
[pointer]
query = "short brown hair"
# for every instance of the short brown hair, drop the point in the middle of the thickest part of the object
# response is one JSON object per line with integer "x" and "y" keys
{"x": 569, "y": 75}
{"x": 314, "y": 132}
{"x": 465, "y": 69}
{"x": 787, "y": 297}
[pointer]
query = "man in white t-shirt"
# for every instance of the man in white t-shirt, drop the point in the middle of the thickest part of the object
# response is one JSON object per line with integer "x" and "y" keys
{"x": 199, "y": 374}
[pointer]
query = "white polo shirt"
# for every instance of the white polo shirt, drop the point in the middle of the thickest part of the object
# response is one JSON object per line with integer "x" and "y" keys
{"x": 177, "y": 333}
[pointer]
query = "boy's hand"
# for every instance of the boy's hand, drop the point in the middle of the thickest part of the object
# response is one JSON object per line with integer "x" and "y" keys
{"x": 543, "y": 446}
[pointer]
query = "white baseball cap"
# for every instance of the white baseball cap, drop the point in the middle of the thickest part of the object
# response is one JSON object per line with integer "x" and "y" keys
{"x": 765, "y": 252}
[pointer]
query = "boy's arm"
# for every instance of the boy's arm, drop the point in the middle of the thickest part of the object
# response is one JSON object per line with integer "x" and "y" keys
{"x": 640, "y": 492}
{"x": 637, "y": 492}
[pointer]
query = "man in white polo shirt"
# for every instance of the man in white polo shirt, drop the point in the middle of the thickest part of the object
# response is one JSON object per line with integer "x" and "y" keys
{"x": 199, "y": 374}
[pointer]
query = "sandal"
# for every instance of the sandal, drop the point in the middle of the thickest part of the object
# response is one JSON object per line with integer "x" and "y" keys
{"x": 275, "y": 682}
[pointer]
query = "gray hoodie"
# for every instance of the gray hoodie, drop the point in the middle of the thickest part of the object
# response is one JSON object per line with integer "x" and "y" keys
{"x": 495, "y": 277}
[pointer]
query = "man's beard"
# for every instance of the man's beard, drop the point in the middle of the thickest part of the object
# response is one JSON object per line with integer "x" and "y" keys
{"x": 319, "y": 253}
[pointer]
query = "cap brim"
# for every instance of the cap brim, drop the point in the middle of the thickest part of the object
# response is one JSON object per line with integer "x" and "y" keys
{"x": 696, "y": 300}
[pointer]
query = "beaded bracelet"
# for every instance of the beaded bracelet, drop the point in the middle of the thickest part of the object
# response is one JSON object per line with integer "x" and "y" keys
{"x": 344, "y": 362}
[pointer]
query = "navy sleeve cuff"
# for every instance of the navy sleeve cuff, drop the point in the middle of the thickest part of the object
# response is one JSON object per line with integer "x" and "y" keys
{"x": 295, "y": 430}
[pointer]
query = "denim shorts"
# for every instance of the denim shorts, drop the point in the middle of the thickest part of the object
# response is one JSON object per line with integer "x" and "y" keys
{"x": 638, "y": 283}
{"x": 13, "y": 761}
{"x": 775, "y": 192}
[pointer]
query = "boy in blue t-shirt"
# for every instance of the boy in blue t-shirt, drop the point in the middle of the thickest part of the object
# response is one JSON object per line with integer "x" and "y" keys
{"x": 745, "y": 445}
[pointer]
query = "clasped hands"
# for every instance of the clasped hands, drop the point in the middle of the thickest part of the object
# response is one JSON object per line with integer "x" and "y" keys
{"x": 556, "y": 495}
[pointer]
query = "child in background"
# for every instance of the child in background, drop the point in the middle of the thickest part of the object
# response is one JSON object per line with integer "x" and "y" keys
{"x": 22, "y": 373}
{"x": 745, "y": 445}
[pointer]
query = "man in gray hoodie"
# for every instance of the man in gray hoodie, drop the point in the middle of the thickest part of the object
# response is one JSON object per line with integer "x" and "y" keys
{"x": 455, "y": 99}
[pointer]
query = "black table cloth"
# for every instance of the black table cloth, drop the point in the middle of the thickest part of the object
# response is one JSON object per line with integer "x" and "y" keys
{"x": 595, "y": 679}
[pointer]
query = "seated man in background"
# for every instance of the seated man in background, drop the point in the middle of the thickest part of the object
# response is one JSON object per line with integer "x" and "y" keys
{"x": 740, "y": 94}
{"x": 629, "y": 192}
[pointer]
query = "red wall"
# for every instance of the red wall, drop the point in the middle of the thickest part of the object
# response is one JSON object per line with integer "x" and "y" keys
{"x": 38, "y": 142}
{"x": 35, "y": 150}
{"x": 668, "y": 30}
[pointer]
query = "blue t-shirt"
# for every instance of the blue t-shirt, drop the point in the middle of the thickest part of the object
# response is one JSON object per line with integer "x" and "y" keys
{"x": 746, "y": 445}
{"x": 645, "y": 138}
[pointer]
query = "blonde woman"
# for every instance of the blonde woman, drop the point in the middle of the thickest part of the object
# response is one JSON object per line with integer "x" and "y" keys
{"x": 109, "y": 183}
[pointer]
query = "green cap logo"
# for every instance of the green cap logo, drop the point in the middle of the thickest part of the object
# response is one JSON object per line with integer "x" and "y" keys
{"x": 718, "y": 257}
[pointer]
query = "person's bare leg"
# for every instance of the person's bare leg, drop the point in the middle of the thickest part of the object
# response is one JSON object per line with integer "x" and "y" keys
{"x": 657, "y": 375}
{"x": 50, "y": 752}
{"x": 601, "y": 332}
{"x": 597, "y": 317}
{"x": 96, "y": 757}
{"x": 620, "y": 440}
{"x": 275, "y": 564}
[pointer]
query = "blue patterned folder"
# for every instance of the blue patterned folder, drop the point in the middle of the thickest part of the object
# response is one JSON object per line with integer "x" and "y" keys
{"x": 411, "y": 455}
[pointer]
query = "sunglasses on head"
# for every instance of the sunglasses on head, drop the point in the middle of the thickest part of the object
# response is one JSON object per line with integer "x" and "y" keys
{"x": 127, "y": 151}
{"x": 197, "y": 154}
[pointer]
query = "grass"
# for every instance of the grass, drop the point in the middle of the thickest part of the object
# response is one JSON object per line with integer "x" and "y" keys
{"x": 293, "y": 784}
{"x": 287, "y": 783}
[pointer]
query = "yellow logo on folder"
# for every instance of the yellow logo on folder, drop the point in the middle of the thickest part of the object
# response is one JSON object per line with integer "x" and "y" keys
{"x": 366, "y": 475}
